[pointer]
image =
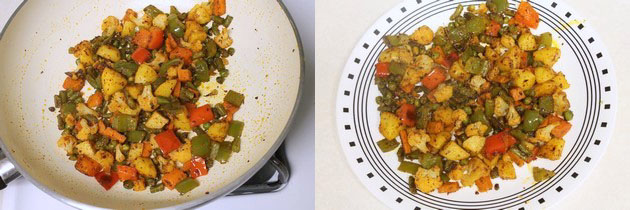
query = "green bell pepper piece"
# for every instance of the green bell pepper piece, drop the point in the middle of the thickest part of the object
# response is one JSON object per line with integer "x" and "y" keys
{"x": 200, "y": 145}
{"x": 186, "y": 185}
{"x": 136, "y": 136}
{"x": 408, "y": 167}
{"x": 234, "y": 98}
{"x": 531, "y": 120}
{"x": 236, "y": 128}
{"x": 387, "y": 145}
{"x": 225, "y": 151}
{"x": 124, "y": 123}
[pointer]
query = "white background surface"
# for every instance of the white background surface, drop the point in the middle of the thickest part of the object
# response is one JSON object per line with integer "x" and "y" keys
{"x": 299, "y": 194}
{"x": 340, "y": 25}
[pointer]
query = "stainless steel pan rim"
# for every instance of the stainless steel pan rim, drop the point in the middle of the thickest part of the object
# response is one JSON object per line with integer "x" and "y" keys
{"x": 209, "y": 197}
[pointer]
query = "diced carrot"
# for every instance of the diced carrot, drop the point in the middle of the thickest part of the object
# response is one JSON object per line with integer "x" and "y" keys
{"x": 435, "y": 78}
{"x": 172, "y": 178}
{"x": 551, "y": 119}
{"x": 146, "y": 149}
{"x": 170, "y": 125}
{"x": 532, "y": 157}
{"x": 167, "y": 141}
{"x": 405, "y": 141}
{"x": 448, "y": 187}
{"x": 87, "y": 165}
{"x": 95, "y": 100}
{"x": 73, "y": 84}
{"x": 407, "y": 113}
{"x": 519, "y": 162}
{"x": 101, "y": 127}
{"x": 171, "y": 44}
{"x": 201, "y": 115}
{"x": 219, "y": 7}
{"x": 484, "y": 184}
{"x": 178, "y": 89}
{"x": 382, "y": 69}
{"x": 127, "y": 173}
{"x": 142, "y": 38}
{"x": 231, "y": 109}
{"x": 493, "y": 28}
{"x": 498, "y": 143}
{"x": 141, "y": 55}
{"x": 526, "y": 15}
{"x": 115, "y": 135}
{"x": 183, "y": 53}
{"x": 184, "y": 75}
{"x": 562, "y": 129}
{"x": 157, "y": 38}
{"x": 517, "y": 93}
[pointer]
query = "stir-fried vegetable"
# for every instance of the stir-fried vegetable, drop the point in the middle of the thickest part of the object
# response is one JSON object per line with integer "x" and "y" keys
{"x": 145, "y": 125}
{"x": 463, "y": 103}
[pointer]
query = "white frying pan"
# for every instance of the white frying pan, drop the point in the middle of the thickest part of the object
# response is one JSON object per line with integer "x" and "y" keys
{"x": 267, "y": 68}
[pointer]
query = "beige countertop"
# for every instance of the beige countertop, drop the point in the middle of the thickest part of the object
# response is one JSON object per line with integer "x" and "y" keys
{"x": 339, "y": 26}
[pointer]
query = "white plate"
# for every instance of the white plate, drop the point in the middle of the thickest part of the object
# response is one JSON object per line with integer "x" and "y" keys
{"x": 593, "y": 97}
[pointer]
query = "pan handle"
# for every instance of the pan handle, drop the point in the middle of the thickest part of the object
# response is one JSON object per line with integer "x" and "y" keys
{"x": 8, "y": 172}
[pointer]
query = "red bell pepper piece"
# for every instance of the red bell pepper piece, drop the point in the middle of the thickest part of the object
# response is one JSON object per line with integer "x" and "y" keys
{"x": 141, "y": 55}
{"x": 498, "y": 143}
{"x": 196, "y": 167}
{"x": 167, "y": 141}
{"x": 382, "y": 70}
{"x": 126, "y": 173}
{"x": 407, "y": 114}
{"x": 201, "y": 115}
{"x": 106, "y": 180}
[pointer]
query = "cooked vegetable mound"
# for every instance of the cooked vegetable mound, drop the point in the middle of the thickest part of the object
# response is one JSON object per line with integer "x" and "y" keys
{"x": 465, "y": 103}
{"x": 144, "y": 124}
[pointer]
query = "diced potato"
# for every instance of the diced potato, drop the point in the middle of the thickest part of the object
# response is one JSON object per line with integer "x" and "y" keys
{"x": 166, "y": 88}
{"x": 545, "y": 89}
{"x": 491, "y": 163}
{"x": 145, "y": 74}
{"x": 452, "y": 151}
{"x": 87, "y": 165}
{"x": 160, "y": 21}
{"x": 165, "y": 165}
{"x": 457, "y": 71}
{"x": 507, "y": 41}
{"x": 561, "y": 81}
{"x": 548, "y": 55}
{"x": 182, "y": 122}
{"x": 456, "y": 173}
{"x": 218, "y": 131}
{"x": 523, "y": 79}
{"x": 543, "y": 74}
{"x": 128, "y": 29}
{"x": 439, "y": 140}
{"x": 134, "y": 90}
{"x": 459, "y": 116}
{"x": 86, "y": 148}
{"x": 513, "y": 118}
{"x": 476, "y": 129}
{"x": 412, "y": 77}
{"x": 390, "y": 125}
{"x": 396, "y": 54}
{"x": 444, "y": 114}
{"x": 108, "y": 52}
{"x": 474, "y": 144}
{"x": 500, "y": 107}
{"x": 424, "y": 63}
{"x": 182, "y": 154}
{"x": 418, "y": 139}
{"x": 506, "y": 169}
{"x": 511, "y": 59}
{"x": 118, "y": 103}
{"x": 146, "y": 100}
{"x": 156, "y": 121}
{"x": 145, "y": 167}
{"x": 135, "y": 151}
{"x": 83, "y": 51}
{"x": 201, "y": 13}
{"x": 428, "y": 180}
{"x": 105, "y": 158}
{"x": 527, "y": 42}
{"x": 67, "y": 142}
{"x": 138, "y": 185}
{"x": 473, "y": 171}
{"x": 443, "y": 93}
{"x": 195, "y": 35}
{"x": 110, "y": 25}
{"x": 552, "y": 150}
{"x": 491, "y": 54}
{"x": 423, "y": 35}
{"x": 112, "y": 81}
{"x": 560, "y": 102}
